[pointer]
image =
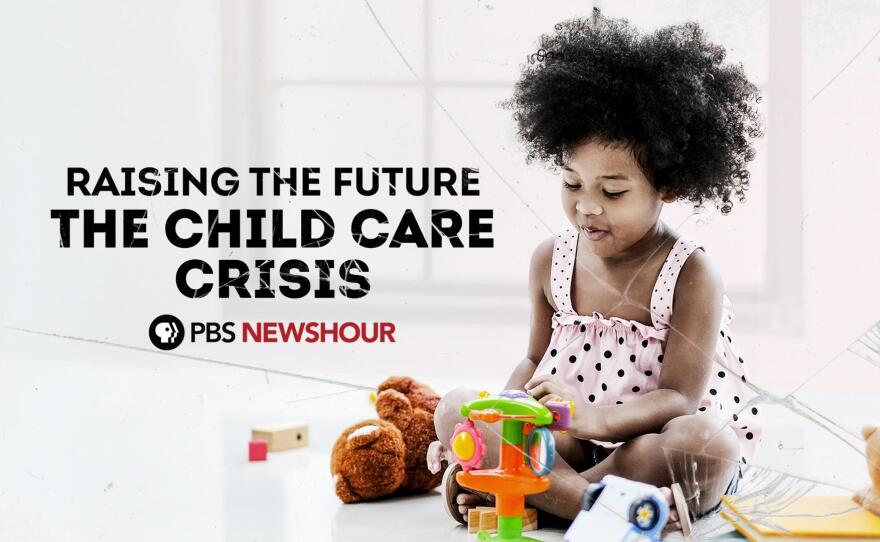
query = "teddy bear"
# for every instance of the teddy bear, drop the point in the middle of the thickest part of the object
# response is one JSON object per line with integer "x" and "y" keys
{"x": 869, "y": 497}
{"x": 380, "y": 457}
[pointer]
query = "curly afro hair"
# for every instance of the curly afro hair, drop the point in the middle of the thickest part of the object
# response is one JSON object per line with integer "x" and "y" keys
{"x": 689, "y": 117}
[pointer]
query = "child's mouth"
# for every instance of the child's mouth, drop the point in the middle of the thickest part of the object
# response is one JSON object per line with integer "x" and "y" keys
{"x": 594, "y": 234}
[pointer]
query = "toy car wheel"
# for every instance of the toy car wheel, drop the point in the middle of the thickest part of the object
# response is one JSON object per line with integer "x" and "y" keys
{"x": 644, "y": 513}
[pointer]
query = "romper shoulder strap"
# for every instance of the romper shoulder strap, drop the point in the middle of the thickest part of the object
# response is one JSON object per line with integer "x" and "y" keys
{"x": 664, "y": 288}
{"x": 562, "y": 269}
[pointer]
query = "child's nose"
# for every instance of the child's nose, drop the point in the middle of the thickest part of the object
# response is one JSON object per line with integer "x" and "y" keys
{"x": 587, "y": 207}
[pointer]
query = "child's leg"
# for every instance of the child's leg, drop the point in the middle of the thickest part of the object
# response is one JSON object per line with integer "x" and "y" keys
{"x": 692, "y": 441}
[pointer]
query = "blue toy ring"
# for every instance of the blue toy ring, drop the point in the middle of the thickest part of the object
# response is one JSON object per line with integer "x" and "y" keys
{"x": 540, "y": 451}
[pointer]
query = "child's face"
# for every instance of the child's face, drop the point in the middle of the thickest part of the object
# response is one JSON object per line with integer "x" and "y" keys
{"x": 607, "y": 196}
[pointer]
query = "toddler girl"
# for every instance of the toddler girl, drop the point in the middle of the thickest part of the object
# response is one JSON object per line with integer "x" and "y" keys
{"x": 629, "y": 319}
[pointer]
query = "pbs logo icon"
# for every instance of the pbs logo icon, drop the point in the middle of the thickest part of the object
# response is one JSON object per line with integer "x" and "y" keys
{"x": 166, "y": 332}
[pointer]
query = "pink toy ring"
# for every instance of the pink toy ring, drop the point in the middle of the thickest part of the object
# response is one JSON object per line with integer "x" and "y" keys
{"x": 467, "y": 445}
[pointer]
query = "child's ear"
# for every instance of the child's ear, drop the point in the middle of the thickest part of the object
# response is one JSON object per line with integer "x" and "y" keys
{"x": 668, "y": 197}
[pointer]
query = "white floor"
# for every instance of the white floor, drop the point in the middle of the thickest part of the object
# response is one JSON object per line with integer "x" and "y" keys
{"x": 135, "y": 446}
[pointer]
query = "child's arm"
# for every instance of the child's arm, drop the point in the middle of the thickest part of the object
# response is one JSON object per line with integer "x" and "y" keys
{"x": 541, "y": 314}
{"x": 687, "y": 364}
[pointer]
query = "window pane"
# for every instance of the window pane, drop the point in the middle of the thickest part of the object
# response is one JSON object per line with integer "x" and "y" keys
{"x": 736, "y": 243}
{"x": 483, "y": 41}
{"x": 347, "y": 123}
{"x": 341, "y": 40}
{"x": 741, "y": 27}
{"x": 480, "y": 41}
{"x": 353, "y": 127}
{"x": 517, "y": 229}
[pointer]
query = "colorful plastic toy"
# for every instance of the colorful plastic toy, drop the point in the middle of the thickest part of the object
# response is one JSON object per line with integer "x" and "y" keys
{"x": 526, "y": 456}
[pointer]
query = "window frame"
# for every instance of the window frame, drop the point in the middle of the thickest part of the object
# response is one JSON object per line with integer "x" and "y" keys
{"x": 247, "y": 136}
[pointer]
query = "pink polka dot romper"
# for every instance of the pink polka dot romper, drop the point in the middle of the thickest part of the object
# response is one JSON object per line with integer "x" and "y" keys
{"x": 613, "y": 360}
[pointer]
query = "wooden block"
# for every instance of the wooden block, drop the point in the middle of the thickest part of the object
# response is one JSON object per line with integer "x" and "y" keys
{"x": 257, "y": 450}
{"x": 475, "y": 515}
{"x": 282, "y": 436}
{"x": 530, "y": 520}
{"x": 489, "y": 521}
{"x": 484, "y": 518}
{"x": 473, "y": 520}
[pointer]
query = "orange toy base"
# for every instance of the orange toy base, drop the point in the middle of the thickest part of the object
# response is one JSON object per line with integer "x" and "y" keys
{"x": 497, "y": 481}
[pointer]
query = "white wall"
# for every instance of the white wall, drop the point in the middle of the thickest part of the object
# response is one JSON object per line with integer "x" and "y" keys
{"x": 93, "y": 84}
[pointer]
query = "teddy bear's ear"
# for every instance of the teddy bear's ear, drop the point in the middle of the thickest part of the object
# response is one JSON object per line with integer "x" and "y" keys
{"x": 393, "y": 406}
{"x": 868, "y": 430}
{"x": 400, "y": 383}
{"x": 364, "y": 436}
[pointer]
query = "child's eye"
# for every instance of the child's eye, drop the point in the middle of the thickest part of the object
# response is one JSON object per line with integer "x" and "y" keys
{"x": 571, "y": 187}
{"x": 613, "y": 195}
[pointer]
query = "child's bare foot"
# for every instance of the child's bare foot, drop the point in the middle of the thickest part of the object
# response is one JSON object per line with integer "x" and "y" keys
{"x": 437, "y": 454}
{"x": 457, "y": 500}
{"x": 466, "y": 501}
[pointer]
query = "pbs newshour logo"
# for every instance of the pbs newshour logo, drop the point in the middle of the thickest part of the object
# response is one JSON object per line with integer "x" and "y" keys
{"x": 166, "y": 332}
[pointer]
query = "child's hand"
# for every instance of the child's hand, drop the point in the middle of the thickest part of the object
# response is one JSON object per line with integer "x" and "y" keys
{"x": 545, "y": 388}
